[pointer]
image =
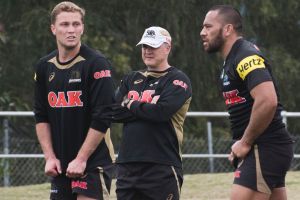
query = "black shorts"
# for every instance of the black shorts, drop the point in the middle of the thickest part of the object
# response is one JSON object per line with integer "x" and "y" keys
{"x": 148, "y": 181}
{"x": 265, "y": 167}
{"x": 94, "y": 184}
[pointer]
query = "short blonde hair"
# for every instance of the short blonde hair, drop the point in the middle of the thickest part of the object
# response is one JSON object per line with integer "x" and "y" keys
{"x": 66, "y": 6}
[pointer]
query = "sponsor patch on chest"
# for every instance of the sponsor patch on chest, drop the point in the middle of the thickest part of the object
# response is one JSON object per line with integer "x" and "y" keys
{"x": 62, "y": 99}
{"x": 232, "y": 97}
{"x": 75, "y": 77}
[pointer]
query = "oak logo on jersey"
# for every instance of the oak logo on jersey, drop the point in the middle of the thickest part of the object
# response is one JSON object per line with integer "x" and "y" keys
{"x": 180, "y": 83}
{"x": 232, "y": 98}
{"x": 51, "y": 76}
{"x": 146, "y": 96}
{"x": 70, "y": 99}
{"x": 249, "y": 64}
{"x": 102, "y": 74}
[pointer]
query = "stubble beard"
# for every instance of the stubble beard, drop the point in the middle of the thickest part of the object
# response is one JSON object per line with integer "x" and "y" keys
{"x": 216, "y": 44}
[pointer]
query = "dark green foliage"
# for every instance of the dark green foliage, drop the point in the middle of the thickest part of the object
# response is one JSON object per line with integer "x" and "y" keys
{"x": 114, "y": 27}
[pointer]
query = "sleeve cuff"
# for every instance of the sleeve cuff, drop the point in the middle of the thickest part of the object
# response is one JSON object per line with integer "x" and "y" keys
{"x": 41, "y": 120}
{"x": 134, "y": 105}
{"x": 100, "y": 126}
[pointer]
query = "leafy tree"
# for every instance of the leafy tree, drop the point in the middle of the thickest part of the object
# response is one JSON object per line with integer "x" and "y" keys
{"x": 115, "y": 27}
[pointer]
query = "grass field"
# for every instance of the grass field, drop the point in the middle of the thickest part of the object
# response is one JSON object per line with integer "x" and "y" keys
{"x": 195, "y": 187}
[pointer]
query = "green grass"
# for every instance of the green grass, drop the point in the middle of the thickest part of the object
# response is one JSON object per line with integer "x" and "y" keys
{"x": 195, "y": 187}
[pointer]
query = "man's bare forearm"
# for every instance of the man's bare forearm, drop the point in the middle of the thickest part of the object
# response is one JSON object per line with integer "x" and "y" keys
{"x": 90, "y": 144}
{"x": 44, "y": 136}
{"x": 263, "y": 110}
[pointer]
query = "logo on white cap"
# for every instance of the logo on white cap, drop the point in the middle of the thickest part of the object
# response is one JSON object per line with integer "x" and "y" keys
{"x": 150, "y": 33}
{"x": 155, "y": 36}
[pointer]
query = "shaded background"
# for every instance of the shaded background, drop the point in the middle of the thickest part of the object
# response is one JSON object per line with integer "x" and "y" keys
{"x": 114, "y": 27}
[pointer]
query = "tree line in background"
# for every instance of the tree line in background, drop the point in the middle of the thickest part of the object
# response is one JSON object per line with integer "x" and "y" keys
{"x": 114, "y": 27}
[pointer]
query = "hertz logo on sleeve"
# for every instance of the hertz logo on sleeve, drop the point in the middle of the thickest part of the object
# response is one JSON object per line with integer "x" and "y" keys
{"x": 249, "y": 64}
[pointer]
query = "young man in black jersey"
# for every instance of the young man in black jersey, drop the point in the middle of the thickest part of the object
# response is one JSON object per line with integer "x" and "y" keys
{"x": 262, "y": 144}
{"x": 155, "y": 102}
{"x": 72, "y": 84}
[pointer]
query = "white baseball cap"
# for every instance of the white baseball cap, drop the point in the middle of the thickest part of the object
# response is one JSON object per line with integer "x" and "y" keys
{"x": 155, "y": 36}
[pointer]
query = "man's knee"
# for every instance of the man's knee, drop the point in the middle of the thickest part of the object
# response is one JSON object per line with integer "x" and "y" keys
{"x": 82, "y": 197}
{"x": 239, "y": 192}
{"x": 278, "y": 194}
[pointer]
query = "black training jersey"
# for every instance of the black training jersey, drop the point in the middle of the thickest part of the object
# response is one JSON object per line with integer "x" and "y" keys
{"x": 244, "y": 68}
{"x": 161, "y": 102}
{"x": 69, "y": 96}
